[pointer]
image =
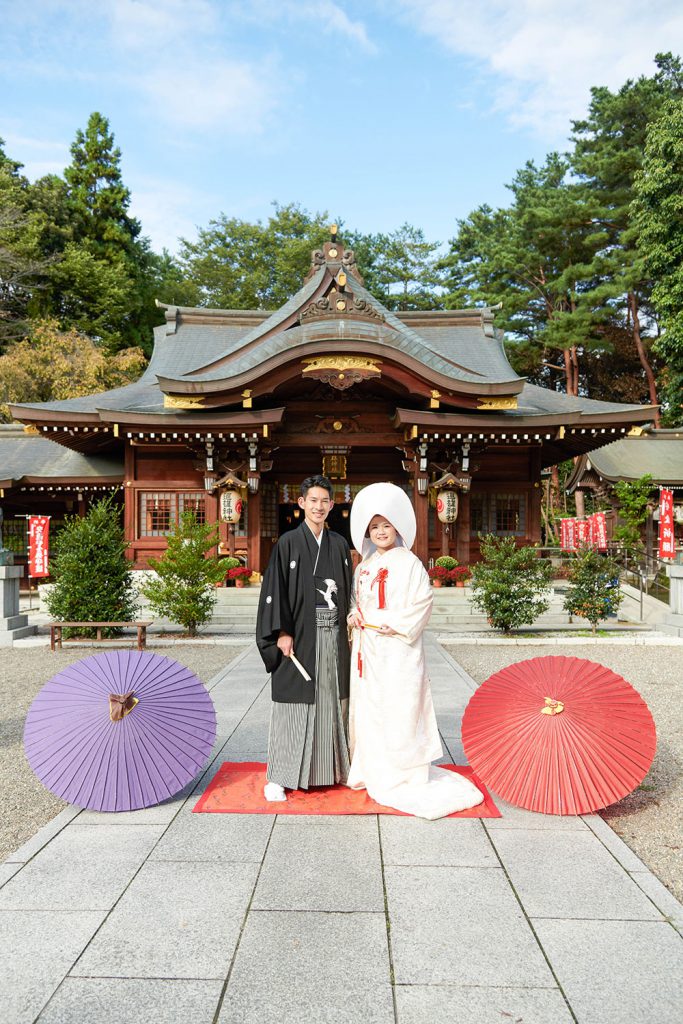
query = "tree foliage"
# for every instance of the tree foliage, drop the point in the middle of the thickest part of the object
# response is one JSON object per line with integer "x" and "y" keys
{"x": 634, "y": 498}
{"x": 658, "y": 218}
{"x": 510, "y": 584}
{"x": 92, "y": 577}
{"x": 51, "y": 364}
{"x": 186, "y": 575}
{"x": 235, "y": 264}
{"x": 593, "y": 592}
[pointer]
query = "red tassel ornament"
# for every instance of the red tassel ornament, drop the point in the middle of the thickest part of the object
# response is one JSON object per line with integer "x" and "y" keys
{"x": 380, "y": 580}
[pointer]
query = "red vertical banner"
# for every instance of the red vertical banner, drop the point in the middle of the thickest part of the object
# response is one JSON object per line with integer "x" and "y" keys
{"x": 583, "y": 533}
{"x": 38, "y": 545}
{"x": 568, "y": 534}
{"x": 667, "y": 544}
{"x": 599, "y": 531}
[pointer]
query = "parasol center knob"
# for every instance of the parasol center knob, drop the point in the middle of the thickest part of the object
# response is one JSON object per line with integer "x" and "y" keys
{"x": 121, "y": 704}
{"x": 552, "y": 707}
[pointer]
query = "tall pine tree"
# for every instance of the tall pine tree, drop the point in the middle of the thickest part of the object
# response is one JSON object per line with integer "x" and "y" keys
{"x": 658, "y": 220}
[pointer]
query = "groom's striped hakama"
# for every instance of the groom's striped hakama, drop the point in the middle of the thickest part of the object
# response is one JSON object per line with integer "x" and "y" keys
{"x": 308, "y": 742}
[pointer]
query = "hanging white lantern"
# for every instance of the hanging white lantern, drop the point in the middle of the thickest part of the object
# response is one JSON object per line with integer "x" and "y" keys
{"x": 447, "y": 506}
{"x": 231, "y": 506}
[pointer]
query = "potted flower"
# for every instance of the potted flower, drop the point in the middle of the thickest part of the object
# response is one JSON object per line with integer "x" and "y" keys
{"x": 446, "y": 562}
{"x": 460, "y": 575}
{"x": 229, "y": 564}
{"x": 438, "y": 575}
{"x": 240, "y": 574}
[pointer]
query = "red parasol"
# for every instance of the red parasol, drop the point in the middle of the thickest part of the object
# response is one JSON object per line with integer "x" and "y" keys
{"x": 559, "y": 735}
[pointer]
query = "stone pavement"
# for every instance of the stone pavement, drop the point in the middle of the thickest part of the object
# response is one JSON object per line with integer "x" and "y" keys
{"x": 192, "y": 919}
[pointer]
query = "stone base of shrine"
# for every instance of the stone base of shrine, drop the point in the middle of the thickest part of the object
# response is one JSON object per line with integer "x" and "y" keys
{"x": 13, "y": 626}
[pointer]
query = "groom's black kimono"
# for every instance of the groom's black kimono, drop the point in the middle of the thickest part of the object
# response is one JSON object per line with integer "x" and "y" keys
{"x": 288, "y": 601}
{"x": 293, "y": 586}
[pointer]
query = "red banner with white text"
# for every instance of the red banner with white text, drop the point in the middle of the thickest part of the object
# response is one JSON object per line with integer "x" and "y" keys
{"x": 667, "y": 543}
{"x": 599, "y": 531}
{"x": 38, "y": 545}
{"x": 568, "y": 534}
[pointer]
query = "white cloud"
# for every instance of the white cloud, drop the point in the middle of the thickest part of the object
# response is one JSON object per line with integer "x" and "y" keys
{"x": 38, "y": 156}
{"x": 543, "y": 56}
{"x": 176, "y": 55}
{"x": 155, "y": 23}
{"x": 318, "y": 15}
{"x": 228, "y": 96}
{"x": 162, "y": 207}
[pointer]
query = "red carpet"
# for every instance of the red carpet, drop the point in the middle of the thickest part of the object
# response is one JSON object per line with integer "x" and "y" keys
{"x": 237, "y": 788}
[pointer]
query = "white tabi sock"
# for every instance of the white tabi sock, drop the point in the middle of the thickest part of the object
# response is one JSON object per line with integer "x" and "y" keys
{"x": 274, "y": 791}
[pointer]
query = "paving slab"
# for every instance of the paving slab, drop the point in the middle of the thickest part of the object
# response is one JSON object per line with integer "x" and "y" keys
{"x": 214, "y": 837}
{"x": 665, "y": 902}
{"x": 43, "y": 946}
{"x": 160, "y": 814}
{"x": 428, "y": 1004}
{"x": 311, "y": 968}
{"x": 7, "y": 871}
{"x": 85, "y": 867}
{"x": 567, "y": 874}
{"x": 614, "y": 972}
{"x": 460, "y": 842}
{"x": 334, "y": 864}
{"x": 517, "y": 817}
{"x": 460, "y": 926}
{"x": 43, "y": 836}
{"x": 132, "y": 1001}
{"x": 176, "y": 920}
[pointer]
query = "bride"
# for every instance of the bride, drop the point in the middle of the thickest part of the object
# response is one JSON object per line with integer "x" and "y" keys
{"x": 393, "y": 731}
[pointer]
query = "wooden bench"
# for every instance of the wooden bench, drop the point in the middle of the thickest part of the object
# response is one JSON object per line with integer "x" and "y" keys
{"x": 57, "y": 627}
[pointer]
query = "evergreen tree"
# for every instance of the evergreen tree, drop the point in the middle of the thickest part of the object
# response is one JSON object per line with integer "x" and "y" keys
{"x": 608, "y": 152}
{"x": 658, "y": 220}
{"x": 593, "y": 592}
{"x": 406, "y": 270}
{"x": 510, "y": 584}
{"x": 99, "y": 199}
{"x": 184, "y": 587}
{"x": 536, "y": 260}
{"x": 92, "y": 578}
{"x": 634, "y": 499}
{"x": 235, "y": 264}
{"x": 103, "y": 278}
{"x": 24, "y": 266}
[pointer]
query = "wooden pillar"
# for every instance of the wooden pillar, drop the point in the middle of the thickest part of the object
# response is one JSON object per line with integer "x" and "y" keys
{"x": 421, "y": 505}
{"x": 254, "y": 534}
{"x": 462, "y": 530}
{"x": 533, "y": 529}
{"x": 129, "y": 499}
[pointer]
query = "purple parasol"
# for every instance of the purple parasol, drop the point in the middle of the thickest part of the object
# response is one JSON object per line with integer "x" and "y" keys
{"x": 120, "y": 730}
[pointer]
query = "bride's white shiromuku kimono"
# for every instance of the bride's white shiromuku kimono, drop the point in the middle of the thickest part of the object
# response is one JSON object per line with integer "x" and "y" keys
{"x": 392, "y": 725}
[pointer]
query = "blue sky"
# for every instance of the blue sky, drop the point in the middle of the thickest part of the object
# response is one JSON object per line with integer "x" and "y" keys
{"x": 380, "y": 112}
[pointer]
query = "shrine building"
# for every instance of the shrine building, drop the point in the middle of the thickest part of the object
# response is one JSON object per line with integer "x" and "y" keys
{"x": 251, "y": 402}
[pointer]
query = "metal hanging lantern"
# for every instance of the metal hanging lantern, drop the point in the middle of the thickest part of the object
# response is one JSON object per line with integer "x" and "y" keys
{"x": 447, "y": 506}
{"x": 231, "y": 506}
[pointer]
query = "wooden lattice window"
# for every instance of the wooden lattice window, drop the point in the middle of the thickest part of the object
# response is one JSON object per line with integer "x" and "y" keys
{"x": 161, "y": 510}
{"x": 501, "y": 514}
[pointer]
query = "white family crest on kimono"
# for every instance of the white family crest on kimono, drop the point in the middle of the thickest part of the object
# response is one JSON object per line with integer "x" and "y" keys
{"x": 392, "y": 725}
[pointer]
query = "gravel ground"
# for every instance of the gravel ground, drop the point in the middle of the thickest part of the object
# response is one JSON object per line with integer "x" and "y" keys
{"x": 25, "y": 805}
{"x": 649, "y": 820}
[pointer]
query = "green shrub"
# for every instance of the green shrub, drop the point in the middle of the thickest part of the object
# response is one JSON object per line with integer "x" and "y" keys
{"x": 92, "y": 578}
{"x": 446, "y": 562}
{"x": 184, "y": 588}
{"x": 593, "y": 591}
{"x": 633, "y": 497}
{"x": 510, "y": 584}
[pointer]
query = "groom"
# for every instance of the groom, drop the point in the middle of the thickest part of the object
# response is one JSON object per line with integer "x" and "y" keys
{"x": 301, "y": 634}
